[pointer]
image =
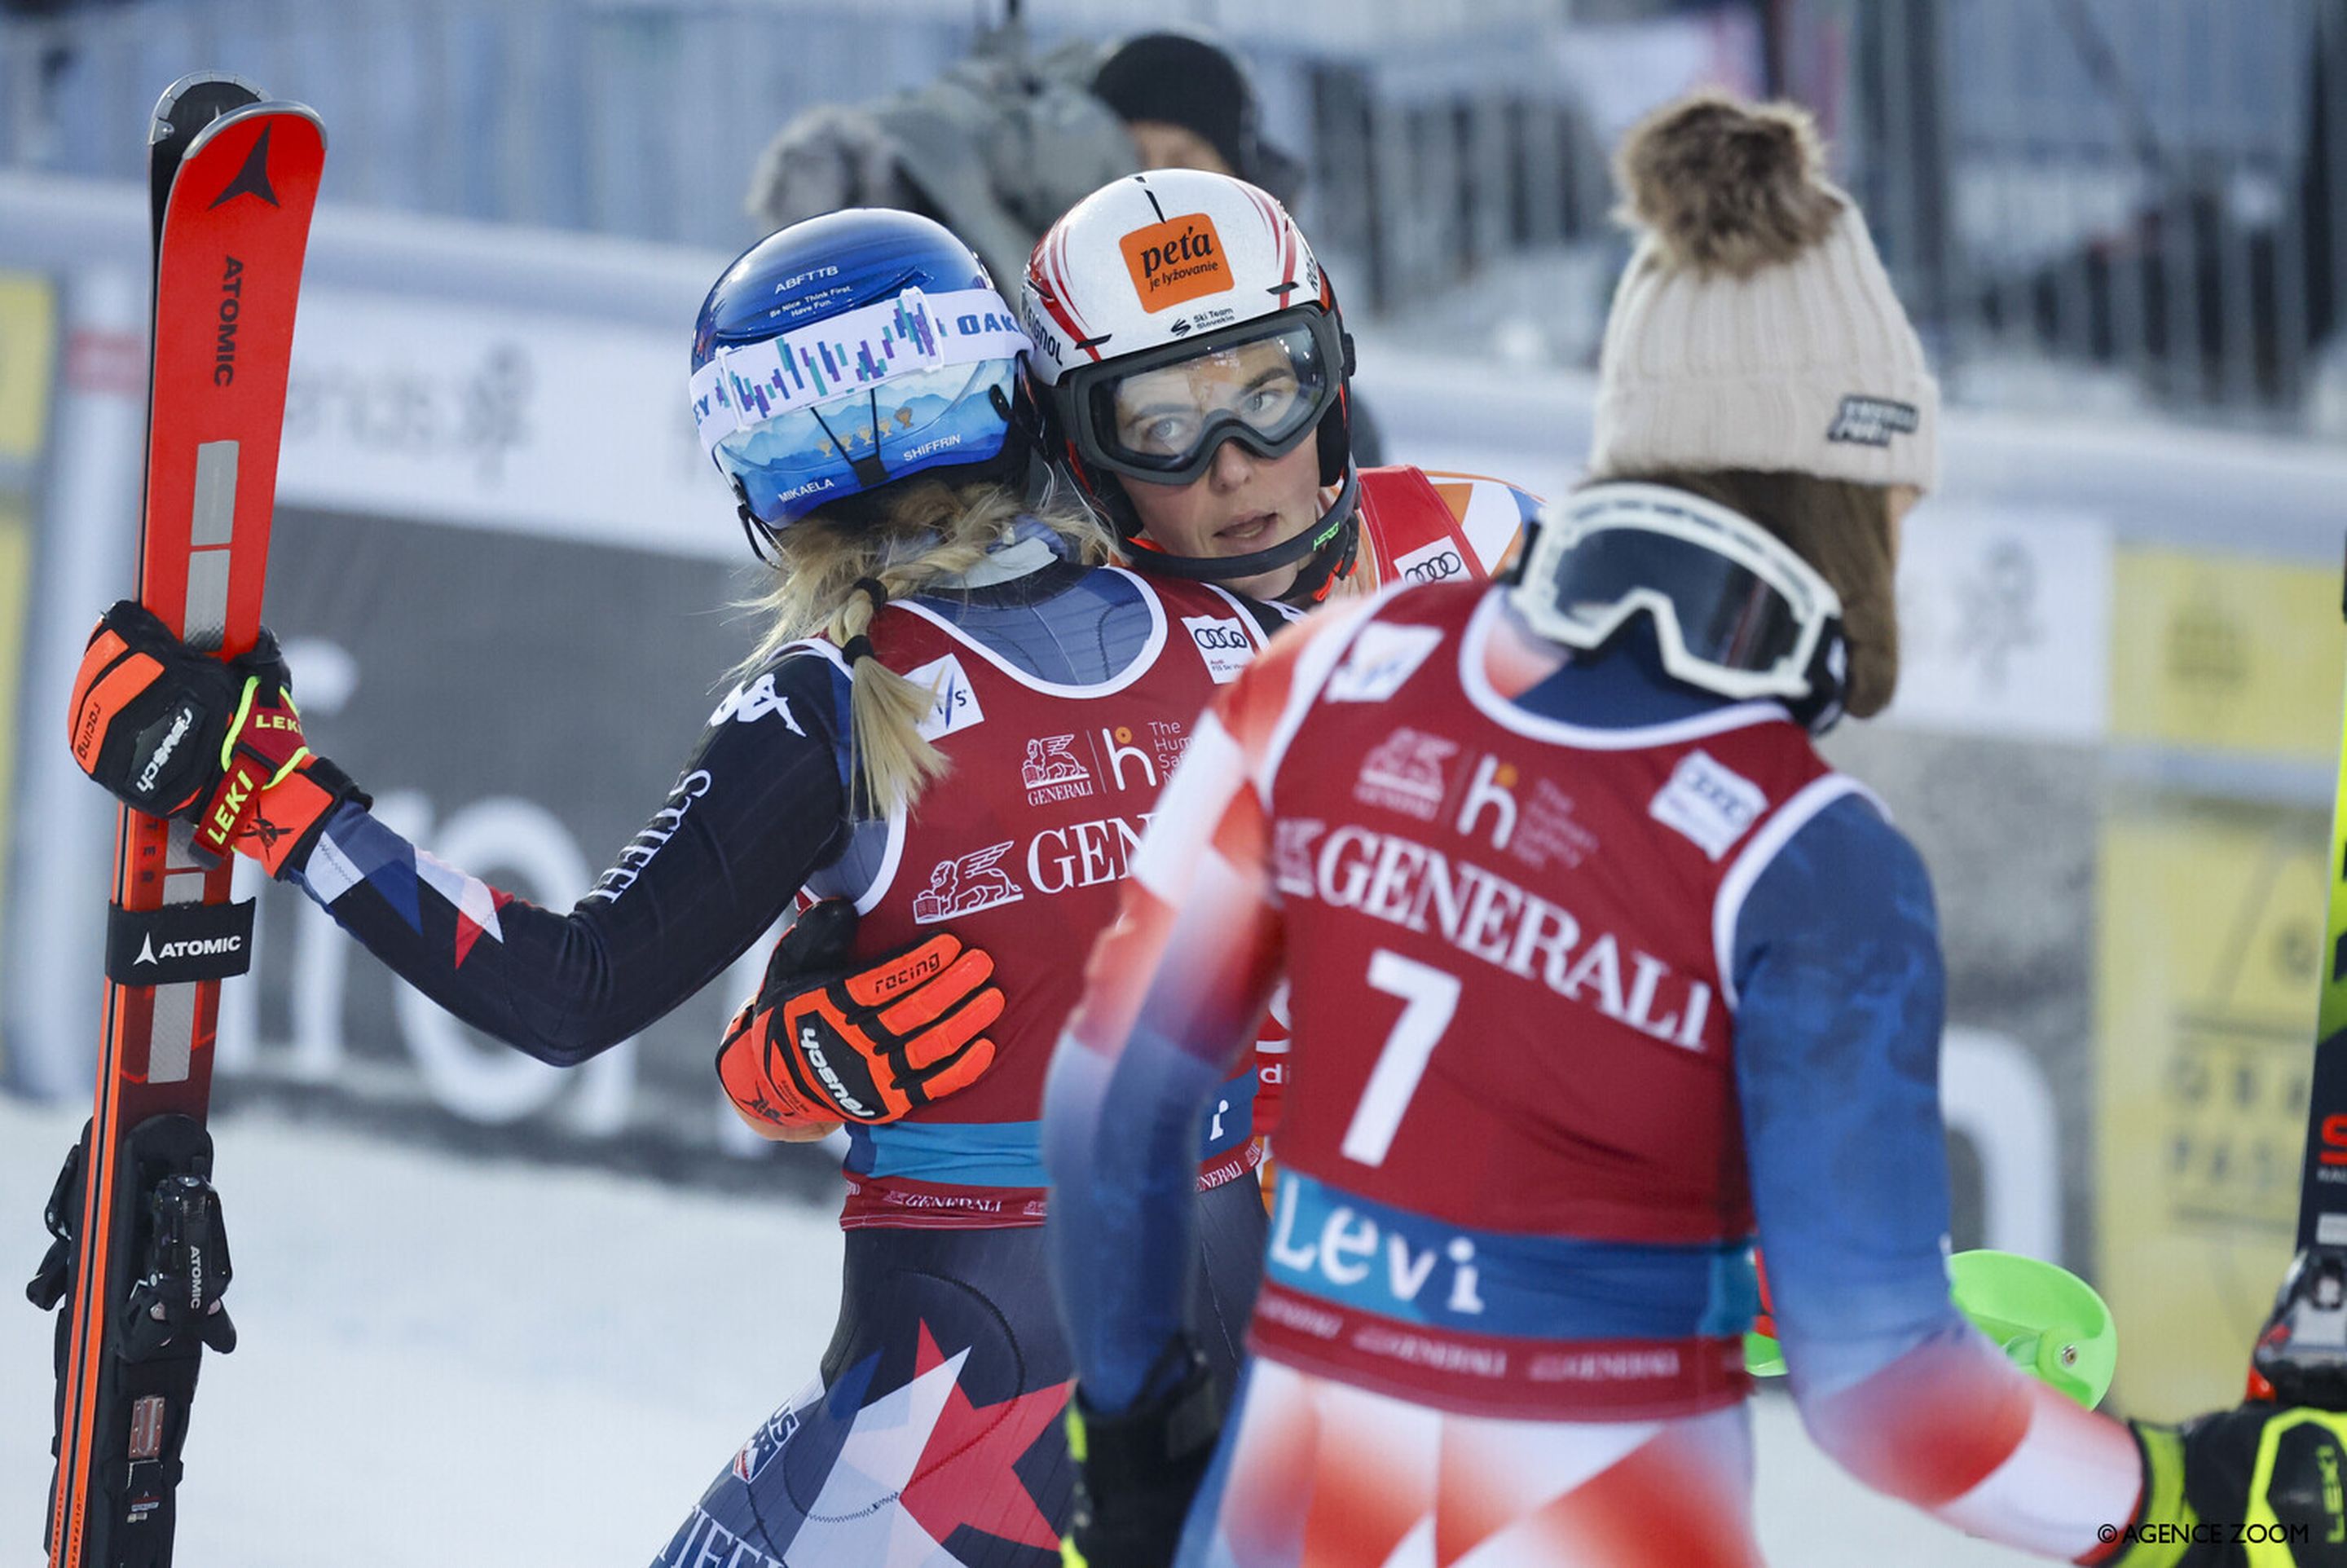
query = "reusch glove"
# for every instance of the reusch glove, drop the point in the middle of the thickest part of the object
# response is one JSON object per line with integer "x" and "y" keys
{"x": 1137, "y": 1471}
{"x": 2257, "y": 1486}
{"x": 834, "y": 1038}
{"x": 171, "y": 732}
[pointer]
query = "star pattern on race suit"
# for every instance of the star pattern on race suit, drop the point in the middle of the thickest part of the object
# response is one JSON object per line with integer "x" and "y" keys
{"x": 922, "y": 1462}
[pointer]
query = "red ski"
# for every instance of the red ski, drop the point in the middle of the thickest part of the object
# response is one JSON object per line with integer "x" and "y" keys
{"x": 140, "y": 1260}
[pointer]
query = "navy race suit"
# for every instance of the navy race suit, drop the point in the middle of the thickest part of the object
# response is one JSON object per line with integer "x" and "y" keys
{"x": 933, "y": 1421}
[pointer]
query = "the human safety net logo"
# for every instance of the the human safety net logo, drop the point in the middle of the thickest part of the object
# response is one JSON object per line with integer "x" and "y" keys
{"x": 1104, "y": 760}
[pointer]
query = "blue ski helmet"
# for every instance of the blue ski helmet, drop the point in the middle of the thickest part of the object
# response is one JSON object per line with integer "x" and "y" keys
{"x": 847, "y": 352}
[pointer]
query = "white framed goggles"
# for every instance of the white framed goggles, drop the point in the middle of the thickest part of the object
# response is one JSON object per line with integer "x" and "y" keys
{"x": 1735, "y": 610}
{"x": 1159, "y": 415}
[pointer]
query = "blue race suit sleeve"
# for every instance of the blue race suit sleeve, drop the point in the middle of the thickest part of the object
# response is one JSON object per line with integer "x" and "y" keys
{"x": 1841, "y": 993}
{"x": 760, "y": 804}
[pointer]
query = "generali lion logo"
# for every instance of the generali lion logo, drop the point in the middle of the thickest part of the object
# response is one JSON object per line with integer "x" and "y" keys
{"x": 967, "y": 885}
{"x": 1052, "y": 773}
{"x": 1175, "y": 261}
{"x": 1407, "y": 773}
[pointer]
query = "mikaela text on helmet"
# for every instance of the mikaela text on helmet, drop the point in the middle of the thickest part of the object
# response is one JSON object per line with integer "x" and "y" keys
{"x": 1175, "y": 261}
{"x": 1487, "y": 916}
{"x": 232, "y": 305}
{"x": 178, "y": 943}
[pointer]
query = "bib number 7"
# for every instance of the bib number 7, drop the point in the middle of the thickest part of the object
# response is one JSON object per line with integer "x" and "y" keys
{"x": 1430, "y": 998}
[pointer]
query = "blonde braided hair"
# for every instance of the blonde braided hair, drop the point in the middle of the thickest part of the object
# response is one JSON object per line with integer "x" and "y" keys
{"x": 926, "y": 536}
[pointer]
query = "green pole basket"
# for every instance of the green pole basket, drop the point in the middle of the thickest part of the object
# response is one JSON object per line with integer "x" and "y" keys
{"x": 2048, "y": 1322}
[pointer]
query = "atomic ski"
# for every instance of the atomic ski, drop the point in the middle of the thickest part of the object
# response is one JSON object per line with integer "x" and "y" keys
{"x": 2301, "y": 1357}
{"x": 139, "y": 1259}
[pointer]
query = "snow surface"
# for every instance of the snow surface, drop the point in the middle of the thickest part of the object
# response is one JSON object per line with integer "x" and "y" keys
{"x": 461, "y": 1362}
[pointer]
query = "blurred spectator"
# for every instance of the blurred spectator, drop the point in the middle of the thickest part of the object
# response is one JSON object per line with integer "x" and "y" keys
{"x": 995, "y": 149}
{"x": 1188, "y": 103}
{"x": 1003, "y": 142}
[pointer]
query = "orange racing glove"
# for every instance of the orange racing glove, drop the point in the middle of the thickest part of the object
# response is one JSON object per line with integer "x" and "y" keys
{"x": 834, "y": 1038}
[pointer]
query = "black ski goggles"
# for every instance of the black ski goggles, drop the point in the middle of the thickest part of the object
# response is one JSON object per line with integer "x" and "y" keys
{"x": 1160, "y": 416}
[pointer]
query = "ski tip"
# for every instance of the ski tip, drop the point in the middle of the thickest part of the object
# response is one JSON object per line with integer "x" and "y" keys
{"x": 268, "y": 108}
{"x": 195, "y": 98}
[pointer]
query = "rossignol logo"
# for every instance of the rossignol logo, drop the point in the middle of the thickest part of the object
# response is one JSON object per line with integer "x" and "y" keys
{"x": 1039, "y": 331}
{"x": 232, "y": 305}
{"x": 1177, "y": 261}
{"x": 150, "y": 952}
{"x": 1872, "y": 421}
{"x": 180, "y": 725}
{"x": 811, "y": 1047}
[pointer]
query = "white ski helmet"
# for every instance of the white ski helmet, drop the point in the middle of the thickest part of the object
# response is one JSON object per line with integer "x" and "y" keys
{"x": 1166, "y": 268}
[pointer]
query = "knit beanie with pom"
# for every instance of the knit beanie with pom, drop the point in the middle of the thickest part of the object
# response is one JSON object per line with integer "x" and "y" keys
{"x": 1754, "y": 326}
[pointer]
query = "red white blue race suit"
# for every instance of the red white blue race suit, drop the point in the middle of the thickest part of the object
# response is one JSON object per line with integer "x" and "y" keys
{"x": 1063, "y": 697}
{"x": 1595, "y": 978}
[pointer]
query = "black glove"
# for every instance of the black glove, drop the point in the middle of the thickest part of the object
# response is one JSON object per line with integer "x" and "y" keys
{"x": 1137, "y": 1471}
{"x": 149, "y": 713}
{"x": 2257, "y": 1486}
{"x": 172, "y": 732}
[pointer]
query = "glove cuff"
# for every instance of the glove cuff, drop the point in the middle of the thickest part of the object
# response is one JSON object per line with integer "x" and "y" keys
{"x": 2163, "y": 1502}
{"x": 755, "y": 1093}
{"x": 1155, "y": 1434}
{"x": 290, "y": 816}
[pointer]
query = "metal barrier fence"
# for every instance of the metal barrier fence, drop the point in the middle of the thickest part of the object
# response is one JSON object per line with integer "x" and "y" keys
{"x": 2142, "y": 197}
{"x": 2119, "y": 204}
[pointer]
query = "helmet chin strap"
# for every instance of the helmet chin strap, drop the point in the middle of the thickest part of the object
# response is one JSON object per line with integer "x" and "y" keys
{"x": 1328, "y": 530}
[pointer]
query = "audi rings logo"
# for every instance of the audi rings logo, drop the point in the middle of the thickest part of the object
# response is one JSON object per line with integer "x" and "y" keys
{"x": 1219, "y": 634}
{"x": 1441, "y": 564}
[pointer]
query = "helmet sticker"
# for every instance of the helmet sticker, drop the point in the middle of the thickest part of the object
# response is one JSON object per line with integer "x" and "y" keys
{"x": 741, "y": 387}
{"x": 1176, "y": 261}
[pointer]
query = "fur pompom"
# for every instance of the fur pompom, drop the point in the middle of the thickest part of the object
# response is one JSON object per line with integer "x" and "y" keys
{"x": 1727, "y": 185}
